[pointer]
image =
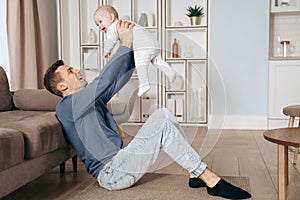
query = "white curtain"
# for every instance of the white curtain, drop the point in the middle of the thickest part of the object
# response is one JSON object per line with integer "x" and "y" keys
{"x": 4, "y": 60}
{"x": 24, "y": 44}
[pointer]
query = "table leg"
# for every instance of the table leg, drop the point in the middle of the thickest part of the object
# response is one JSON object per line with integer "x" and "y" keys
{"x": 282, "y": 171}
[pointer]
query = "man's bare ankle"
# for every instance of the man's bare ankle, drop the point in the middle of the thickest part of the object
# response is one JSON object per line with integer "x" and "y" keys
{"x": 210, "y": 178}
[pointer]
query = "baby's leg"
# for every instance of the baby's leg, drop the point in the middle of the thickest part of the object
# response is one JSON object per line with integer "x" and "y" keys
{"x": 144, "y": 85}
{"x": 142, "y": 62}
{"x": 165, "y": 68}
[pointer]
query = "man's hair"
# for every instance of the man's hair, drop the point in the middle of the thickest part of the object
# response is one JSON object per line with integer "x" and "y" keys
{"x": 52, "y": 78}
{"x": 109, "y": 9}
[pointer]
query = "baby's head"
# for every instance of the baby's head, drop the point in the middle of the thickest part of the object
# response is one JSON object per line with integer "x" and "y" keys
{"x": 104, "y": 16}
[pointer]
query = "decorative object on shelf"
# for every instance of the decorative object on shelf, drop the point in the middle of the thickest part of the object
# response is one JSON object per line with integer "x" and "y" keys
{"x": 277, "y": 47}
{"x": 178, "y": 23}
{"x": 284, "y": 2}
{"x": 90, "y": 58}
{"x": 175, "y": 48}
{"x": 171, "y": 105}
{"x": 179, "y": 107}
{"x": 285, "y": 47}
{"x": 188, "y": 51}
{"x": 178, "y": 84}
{"x": 151, "y": 19}
{"x": 145, "y": 107}
{"x": 195, "y": 14}
{"x": 143, "y": 21}
{"x": 200, "y": 99}
{"x": 197, "y": 111}
{"x": 126, "y": 18}
{"x": 92, "y": 36}
{"x": 153, "y": 105}
{"x": 277, "y": 51}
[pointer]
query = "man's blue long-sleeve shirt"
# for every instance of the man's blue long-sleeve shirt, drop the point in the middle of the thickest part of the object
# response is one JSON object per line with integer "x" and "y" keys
{"x": 87, "y": 123}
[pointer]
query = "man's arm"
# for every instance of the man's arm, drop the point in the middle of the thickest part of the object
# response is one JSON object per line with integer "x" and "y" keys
{"x": 113, "y": 77}
{"x": 120, "y": 68}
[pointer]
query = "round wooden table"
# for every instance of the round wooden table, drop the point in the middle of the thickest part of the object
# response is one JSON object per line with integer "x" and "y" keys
{"x": 284, "y": 137}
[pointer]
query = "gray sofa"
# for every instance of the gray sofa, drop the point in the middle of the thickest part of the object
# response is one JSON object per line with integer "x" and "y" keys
{"x": 31, "y": 138}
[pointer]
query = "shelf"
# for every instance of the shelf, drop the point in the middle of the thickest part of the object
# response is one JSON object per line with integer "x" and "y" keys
{"x": 87, "y": 20}
{"x": 184, "y": 59}
{"x": 175, "y": 102}
{"x": 150, "y": 27}
{"x": 285, "y": 58}
{"x": 196, "y": 90}
{"x": 123, "y": 7}
{"x": 148, "y": 106}
{"x": 189, "y": 48}
{"x": 285, "y": 13}
{"x": 90, "y": 58}
{"x": 180, "y": 69}
{"x": 87, "y": 45}
{"x": 175, "y": 12}
{"x": 150, "y": 9}
{"x": 285, "y": 6}
{"x": 186, "y": 27}
{"x": 284, "y": 27}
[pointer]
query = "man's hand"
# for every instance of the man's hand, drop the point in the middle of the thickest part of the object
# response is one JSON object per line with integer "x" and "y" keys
{"x": 124, "y": 29}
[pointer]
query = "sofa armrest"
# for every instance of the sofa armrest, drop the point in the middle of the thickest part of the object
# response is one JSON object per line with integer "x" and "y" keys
{"x": 6, "y": 102}
{"x": 35, "y": 99}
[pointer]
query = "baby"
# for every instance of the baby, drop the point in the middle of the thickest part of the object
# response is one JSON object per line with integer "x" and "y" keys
{"x": 146, "y": 48}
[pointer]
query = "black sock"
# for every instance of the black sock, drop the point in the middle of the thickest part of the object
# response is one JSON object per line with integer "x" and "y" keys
{"x": 196, "y": 183}
{"x": 227, "y": 190}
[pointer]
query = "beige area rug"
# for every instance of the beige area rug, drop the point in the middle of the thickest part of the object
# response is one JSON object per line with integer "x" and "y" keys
{"x": 157, "y": 186}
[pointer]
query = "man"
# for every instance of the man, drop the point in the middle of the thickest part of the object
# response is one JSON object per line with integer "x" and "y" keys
{"x": 90, "y": 129}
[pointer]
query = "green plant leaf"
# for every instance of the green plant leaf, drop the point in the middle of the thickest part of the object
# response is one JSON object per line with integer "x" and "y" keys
{"x": 195, "y": 11}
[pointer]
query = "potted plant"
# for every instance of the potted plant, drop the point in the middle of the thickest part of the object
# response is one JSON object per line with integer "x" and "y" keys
{"x": 195, "y": 13}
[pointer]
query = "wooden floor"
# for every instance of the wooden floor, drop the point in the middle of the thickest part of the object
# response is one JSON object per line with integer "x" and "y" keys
{"x": 236, "y": 153}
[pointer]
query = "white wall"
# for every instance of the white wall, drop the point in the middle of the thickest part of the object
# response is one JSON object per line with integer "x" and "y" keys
{"x": 48, "y": 24}
{"x": 238, "y": 48}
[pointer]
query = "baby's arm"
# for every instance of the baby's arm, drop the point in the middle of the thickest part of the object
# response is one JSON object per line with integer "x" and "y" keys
{"x": 111, "y": 40}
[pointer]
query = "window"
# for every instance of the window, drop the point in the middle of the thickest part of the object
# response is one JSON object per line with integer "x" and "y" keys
{"x": 4, "y": 61}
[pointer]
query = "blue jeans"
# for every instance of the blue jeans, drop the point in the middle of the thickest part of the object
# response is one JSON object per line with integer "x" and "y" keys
{"x": 160, "y": 132}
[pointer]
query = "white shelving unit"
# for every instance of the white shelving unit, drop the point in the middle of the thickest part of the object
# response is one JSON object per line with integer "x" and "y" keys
{"x": 285, "y": 26}
{"x": 191, "y": 65}
{"x": 284, "y": 70}
{"x": 167, "y": 19}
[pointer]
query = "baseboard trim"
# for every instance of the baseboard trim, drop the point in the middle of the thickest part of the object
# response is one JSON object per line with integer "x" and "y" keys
{"x": 280, "y": 123}
{"x": 230, "y": 122}
{"x": 240, "y": 122}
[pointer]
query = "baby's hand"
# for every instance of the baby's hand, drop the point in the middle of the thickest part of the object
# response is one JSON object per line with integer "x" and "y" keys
{"x": 106, "y": 55}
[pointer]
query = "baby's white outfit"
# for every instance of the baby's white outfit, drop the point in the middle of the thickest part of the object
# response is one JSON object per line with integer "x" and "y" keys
{"x": 146, "y": 50}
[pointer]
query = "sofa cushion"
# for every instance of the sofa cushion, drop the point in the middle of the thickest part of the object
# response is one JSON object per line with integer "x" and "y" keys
{"x": 42, "y": 132}
{"x": 5, "y": 95}
{"x": 35, "y": 99}
{"x": 11, "y": 148}
{"x": 16, "y": 115}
